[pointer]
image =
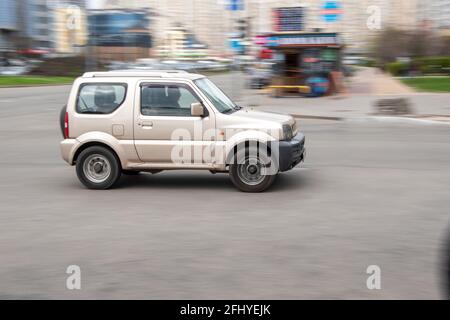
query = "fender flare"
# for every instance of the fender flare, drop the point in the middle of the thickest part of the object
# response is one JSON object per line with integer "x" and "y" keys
{"x": 99, "y": 138}
{"x": 247, "y": 136}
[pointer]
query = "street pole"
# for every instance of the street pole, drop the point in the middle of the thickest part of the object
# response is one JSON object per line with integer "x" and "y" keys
{"x": 87, "y": 53}
{"x": 233, "y": 53}
{"x": 92, "y": 56}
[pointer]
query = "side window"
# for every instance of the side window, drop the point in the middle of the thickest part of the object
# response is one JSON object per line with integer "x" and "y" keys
{"x": 166, "y": 100}
{"x": 101, "y": 98}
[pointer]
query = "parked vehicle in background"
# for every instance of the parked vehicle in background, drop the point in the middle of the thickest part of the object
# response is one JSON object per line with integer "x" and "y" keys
{"x": 242, "y": 63}
{"x": 210, "y": 65}
{"x": 117, "y": 65}
{"x": 13, "y": 71}
{"x": 127, "y": 122}
{"x": 353, "y": 60}
{"x": 15, "y": 66}
{"x": 176, "y": 65}
{"x": 259, "y": 75}
{"x": 184, "y": 65}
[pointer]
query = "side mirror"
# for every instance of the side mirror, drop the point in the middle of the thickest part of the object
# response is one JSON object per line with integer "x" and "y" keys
{"x": 197, "y": 110}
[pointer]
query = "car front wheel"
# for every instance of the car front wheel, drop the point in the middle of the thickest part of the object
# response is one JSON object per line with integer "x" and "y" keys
{"x": 251, "y": 171}
{"x": 98, "y": 168}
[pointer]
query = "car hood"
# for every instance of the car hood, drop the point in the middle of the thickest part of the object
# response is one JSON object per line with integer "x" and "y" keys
{"x": 264, "y": 116}
{"x": 247, "y": 119}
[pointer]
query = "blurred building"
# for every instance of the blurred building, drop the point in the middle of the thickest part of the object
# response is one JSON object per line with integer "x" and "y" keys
{"x": 351, "y": 24}
{"x": 434, "y": 14}
{"x": 120, "y": 34}
{"x": 180, "y": 43}
{"x": 37, "y": 23}
{"x": 25, "y": 24}
{"x": 70, "y": 29}
{"x": 53, "y": 25}
{"x": 206, "y": 19}
{"x": 8, "y": 24}
{"x": 212, "y": 23}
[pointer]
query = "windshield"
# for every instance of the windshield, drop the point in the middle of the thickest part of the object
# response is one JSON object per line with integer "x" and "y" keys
{"x": 220, "y": 100}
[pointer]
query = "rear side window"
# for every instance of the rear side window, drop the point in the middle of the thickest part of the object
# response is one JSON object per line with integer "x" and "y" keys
{"x": 100, "y": 98}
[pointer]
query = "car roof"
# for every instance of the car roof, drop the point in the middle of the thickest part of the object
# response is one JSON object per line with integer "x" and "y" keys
{"x": 178, "y": 74}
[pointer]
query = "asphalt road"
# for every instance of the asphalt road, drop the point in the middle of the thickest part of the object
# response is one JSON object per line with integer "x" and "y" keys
{"x": 370, "y": 193}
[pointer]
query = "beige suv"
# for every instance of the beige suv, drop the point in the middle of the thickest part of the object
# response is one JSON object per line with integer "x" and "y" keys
{"x": 130, "y": 122}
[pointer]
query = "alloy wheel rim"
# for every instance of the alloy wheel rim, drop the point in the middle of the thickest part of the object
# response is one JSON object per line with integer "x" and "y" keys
{"x": 251, "y": 171}
{"x": 97, "y": 168}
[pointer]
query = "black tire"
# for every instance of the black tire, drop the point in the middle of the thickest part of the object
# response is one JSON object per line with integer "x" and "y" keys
{"x": 110, "y": 171}
{"x": 62, "y": 115}
{"x": 265, "y": 181}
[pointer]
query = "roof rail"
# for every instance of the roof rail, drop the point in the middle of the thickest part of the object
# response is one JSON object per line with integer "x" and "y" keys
{"x": 132, "y": 73}
{"x": 149, "y": 71}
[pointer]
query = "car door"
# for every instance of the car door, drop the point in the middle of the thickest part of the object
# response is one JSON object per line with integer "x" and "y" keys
{"x": 165, "y": 132}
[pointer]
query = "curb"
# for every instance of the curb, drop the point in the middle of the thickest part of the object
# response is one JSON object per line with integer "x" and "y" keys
{"x": 424, "y": 119}
{"x": 312, "y": 117}
{"x": 403, "y": 120}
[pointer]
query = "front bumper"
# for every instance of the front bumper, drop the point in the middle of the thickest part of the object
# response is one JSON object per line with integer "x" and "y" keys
{"x": 291, "y": 153}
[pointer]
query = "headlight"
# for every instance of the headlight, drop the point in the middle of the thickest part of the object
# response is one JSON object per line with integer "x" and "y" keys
{"x": 294, "y": 129}
{"x": 287, "y": 132}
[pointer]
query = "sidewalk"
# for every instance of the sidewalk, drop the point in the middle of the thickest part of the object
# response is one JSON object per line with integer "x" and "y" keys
{"x": 364, "y": 90}
{"x": 375, "y": 82}
{"x": 351, "y": 106}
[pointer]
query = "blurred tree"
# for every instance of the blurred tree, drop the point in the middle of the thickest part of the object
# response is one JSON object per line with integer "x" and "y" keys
{"x": 392, "y": 44}
{"x": 444, "y": 48}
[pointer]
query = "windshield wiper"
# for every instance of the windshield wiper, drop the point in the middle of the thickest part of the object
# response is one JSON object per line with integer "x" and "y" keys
{"x": 233, "y": 109}
{"x": 228, "y": 111}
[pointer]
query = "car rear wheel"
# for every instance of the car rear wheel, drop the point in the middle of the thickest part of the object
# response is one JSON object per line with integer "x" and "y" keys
{"x": 251, "y": 170}
{"x": 98, "y": 168}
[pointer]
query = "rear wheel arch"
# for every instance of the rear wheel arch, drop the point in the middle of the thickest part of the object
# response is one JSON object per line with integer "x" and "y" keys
{"x": 86, "y": 145}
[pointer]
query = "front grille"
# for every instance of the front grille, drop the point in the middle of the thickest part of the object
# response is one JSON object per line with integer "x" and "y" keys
{"x": 297, "y": 150}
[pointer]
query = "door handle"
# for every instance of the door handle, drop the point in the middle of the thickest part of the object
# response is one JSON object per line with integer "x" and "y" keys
{"x": 145, "y": 124}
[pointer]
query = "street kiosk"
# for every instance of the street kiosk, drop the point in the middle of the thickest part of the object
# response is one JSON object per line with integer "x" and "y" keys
{"x": 305, "y": 62}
